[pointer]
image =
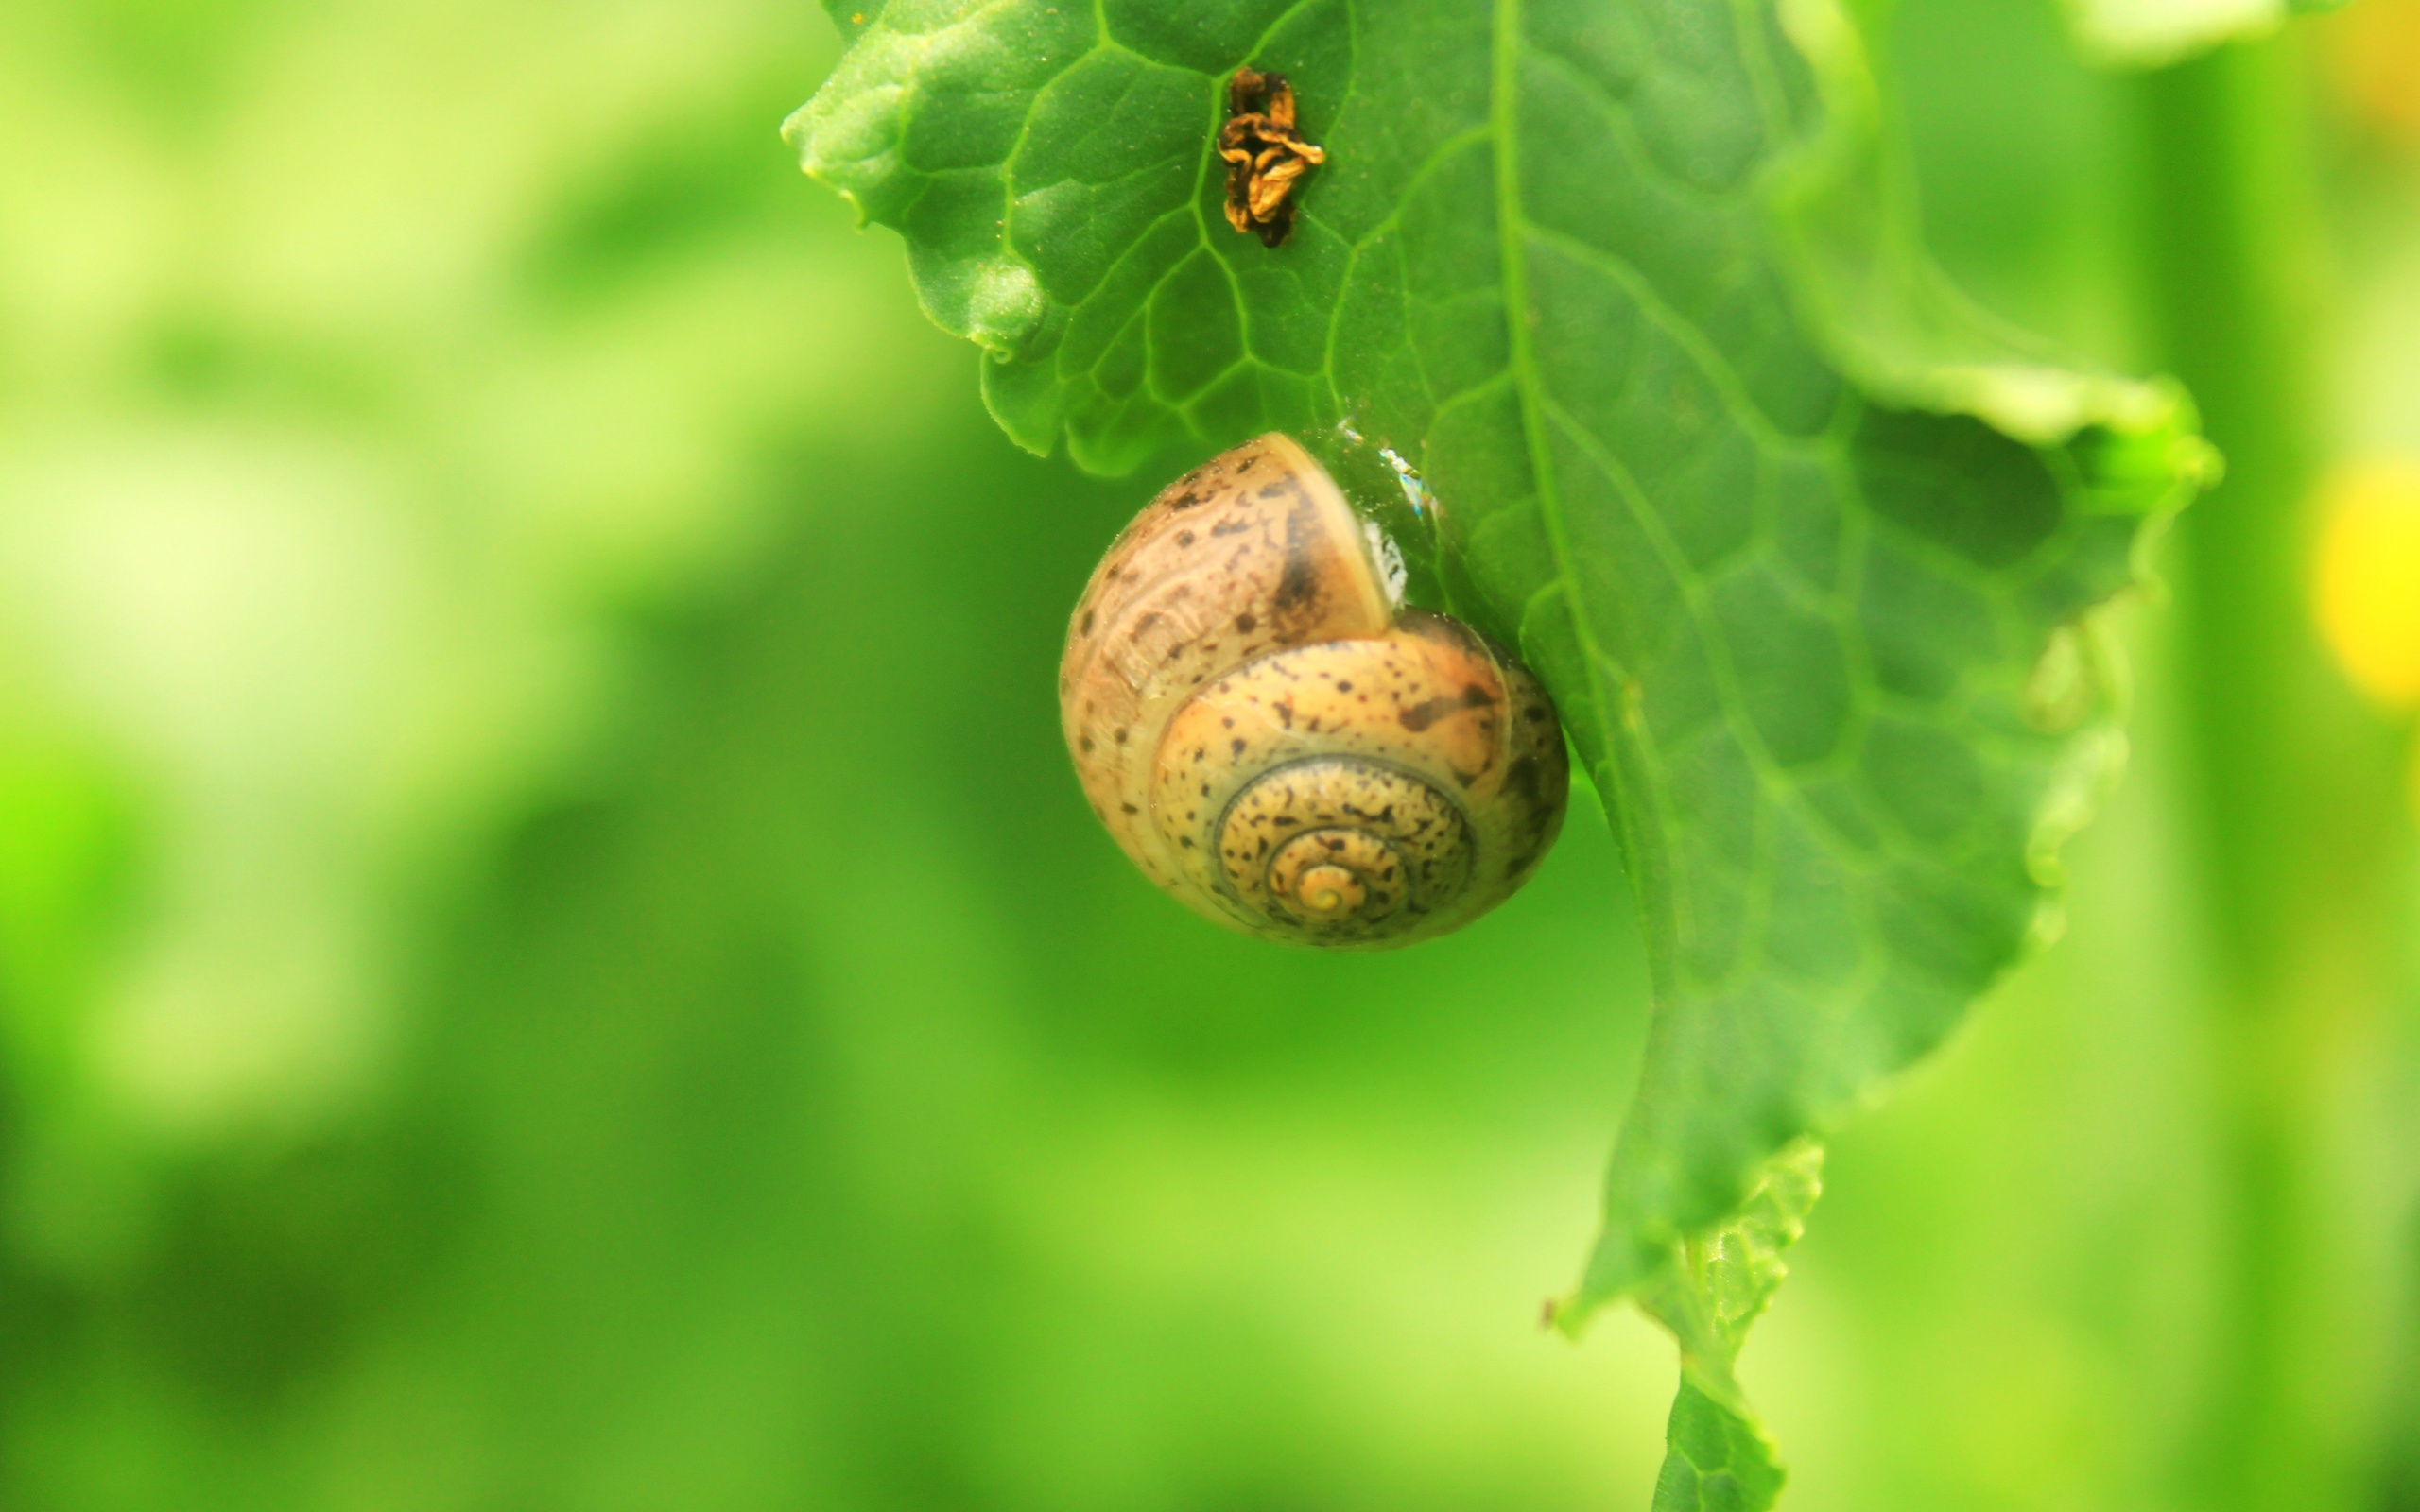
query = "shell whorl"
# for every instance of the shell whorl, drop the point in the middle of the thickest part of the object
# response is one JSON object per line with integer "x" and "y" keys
{"x": 1270, "y": 739}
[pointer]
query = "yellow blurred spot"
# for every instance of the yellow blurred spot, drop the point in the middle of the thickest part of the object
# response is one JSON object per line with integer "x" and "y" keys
{"x": 2374, "y": 55}
{"x": 2368, "y": 587}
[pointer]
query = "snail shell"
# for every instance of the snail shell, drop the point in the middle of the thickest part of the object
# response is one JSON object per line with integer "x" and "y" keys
{"x": 1272, "y": 739}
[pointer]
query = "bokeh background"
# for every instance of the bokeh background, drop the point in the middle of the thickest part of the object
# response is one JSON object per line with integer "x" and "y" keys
{"x": 549, "y": 958}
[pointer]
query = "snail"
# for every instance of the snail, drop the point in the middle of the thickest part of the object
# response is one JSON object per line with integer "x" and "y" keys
{"x": 1275, "y": 739}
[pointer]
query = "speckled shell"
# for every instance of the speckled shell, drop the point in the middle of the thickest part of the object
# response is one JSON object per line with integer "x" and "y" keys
{"x": 1271, "y": 739}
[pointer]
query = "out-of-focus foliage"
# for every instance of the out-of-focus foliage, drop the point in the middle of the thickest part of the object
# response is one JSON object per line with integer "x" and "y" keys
{"x": 363, "y": 364}
{"x": 2143, "y": 33}
{"x": 549, "y": 956}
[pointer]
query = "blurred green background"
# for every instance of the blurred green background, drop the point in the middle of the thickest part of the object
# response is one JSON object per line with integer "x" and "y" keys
{"x": 549, "y": 956}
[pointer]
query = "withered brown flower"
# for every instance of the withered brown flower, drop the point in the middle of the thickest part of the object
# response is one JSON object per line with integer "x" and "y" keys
{"x": 1265, "y": 155}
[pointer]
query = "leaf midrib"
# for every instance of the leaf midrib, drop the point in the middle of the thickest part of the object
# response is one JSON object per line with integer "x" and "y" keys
{"x": 1539, "y": 418}
{"x": 1503, "y": 117}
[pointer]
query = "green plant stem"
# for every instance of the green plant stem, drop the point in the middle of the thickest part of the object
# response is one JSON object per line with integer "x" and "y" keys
{"x": 2290, "y": 820}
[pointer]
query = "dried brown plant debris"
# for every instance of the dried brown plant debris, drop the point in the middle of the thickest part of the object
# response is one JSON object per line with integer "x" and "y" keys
{"x": 1265, "y": 155}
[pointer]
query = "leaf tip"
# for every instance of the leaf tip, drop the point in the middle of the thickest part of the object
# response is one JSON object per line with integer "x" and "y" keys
{"x": 1022, "y": 398}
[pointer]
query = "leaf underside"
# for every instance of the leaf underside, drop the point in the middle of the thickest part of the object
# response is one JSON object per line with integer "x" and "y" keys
{"x": 1802, "y": 546}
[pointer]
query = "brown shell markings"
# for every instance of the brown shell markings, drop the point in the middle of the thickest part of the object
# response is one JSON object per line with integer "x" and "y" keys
{"x": 1268, "y": 738}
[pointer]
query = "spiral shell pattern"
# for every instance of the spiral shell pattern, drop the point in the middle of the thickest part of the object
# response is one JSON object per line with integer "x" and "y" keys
{"x": 1270, "y": 739}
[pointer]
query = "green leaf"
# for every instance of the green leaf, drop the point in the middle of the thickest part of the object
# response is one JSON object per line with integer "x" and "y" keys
{"x": 2151, "y": 33}
{"x": 1718, "y": 1458}
{"x": 1805, "y": 548}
